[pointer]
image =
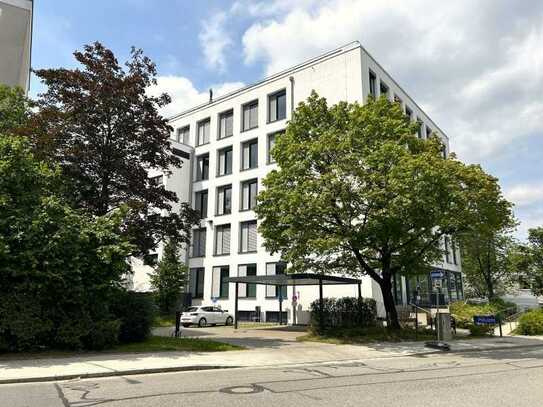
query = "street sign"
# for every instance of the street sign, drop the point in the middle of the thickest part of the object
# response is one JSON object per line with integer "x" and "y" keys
{"x": 484, "y": 320}
{"x": 436, "y": 274}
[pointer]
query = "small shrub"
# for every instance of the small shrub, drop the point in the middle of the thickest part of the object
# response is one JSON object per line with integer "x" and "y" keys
{"x": 531, "y": 323}
{"x": 103, "y": 335}
{"x": 136, "y": 313}
{"x": 346, "y": 312}
{"x": 481, "y": 330}
{"x": 464, "y": 312}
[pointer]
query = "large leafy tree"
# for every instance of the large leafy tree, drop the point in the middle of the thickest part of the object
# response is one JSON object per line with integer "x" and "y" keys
{"x": 356, "y": 192}
{"x": 169, "y": 278}
{"x": 104, "y": 130}
{"x": 59, "y": 268}
{"x": 14, "y": 109}
{"x": 531, "y": 261}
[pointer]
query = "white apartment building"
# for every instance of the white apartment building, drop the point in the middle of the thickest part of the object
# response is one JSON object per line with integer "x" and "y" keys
{"x": 229, "y": 140}
{"x": 15, "y": 42}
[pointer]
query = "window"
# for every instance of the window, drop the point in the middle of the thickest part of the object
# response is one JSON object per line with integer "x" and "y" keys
{"x": 201, "y": 203}
{"x": 150, "y": 259}
{"x": 249, "y": 154}
{"x": 398, "y": 100}
{"x": 419, "y": 129}
{"x": 428, "y": 132}
{"x": 277, "y": 106}
{"x": 182, "y": 135}
{"x": 247, "y": 241}
{"x": 196, "y": 281}
{"x": 248, "y": 194}
{"x": 224, "y": 200}
{"x": 447, "y": 252}
{"x": 157, "y": 181}
{"x": 226, "y": 124}
{"x": 453, "y": 251}
{"x": 271, "y": 143}
{"x": 219, "y": 284}
{"x": 383, "y": 88}
{"x": 203, "y": 132}
{"x": 247, "y": 290}
{"x": 250, "y": 115}
{"x": 225, "y": 161}
{"x": 222, "y": 239}
{"x": 444, "y": 151}
{"x": 273, "y": 269}
{"x": 373, "y": 84}
{"x": 409, "y": 113}
{"x": 202, "y": 167}
{"x": 199, "y": 242}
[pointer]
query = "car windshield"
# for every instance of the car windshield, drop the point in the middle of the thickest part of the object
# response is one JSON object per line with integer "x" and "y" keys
{"x": 192, "y": 309}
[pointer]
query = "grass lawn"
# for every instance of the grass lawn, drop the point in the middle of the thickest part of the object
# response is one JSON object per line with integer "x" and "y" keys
{"x": 367, "y": 335}
{"x": 153, "y": 344}
{"x": 164, "y": 321}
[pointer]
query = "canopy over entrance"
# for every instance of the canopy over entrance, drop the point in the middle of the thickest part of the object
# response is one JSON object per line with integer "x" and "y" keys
{"x": 281, "y": 280}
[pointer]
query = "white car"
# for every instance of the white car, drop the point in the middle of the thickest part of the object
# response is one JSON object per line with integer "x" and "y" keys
{"x": 206, "y": 315}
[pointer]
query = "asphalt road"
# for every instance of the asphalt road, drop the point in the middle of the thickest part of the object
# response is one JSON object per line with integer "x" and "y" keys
{"x": 497, "y": 378}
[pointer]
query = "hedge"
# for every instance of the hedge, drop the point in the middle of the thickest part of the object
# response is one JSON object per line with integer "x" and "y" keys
{"x": 346, "y": 312}
{"x": 531, "y": 323}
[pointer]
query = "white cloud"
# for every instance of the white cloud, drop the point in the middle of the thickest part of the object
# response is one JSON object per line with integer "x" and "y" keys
{"x": 185, "y": 95}
{"x": 215, "y": 40}
{"x": 477, "y": 71}
{"x": 525, "y": 194}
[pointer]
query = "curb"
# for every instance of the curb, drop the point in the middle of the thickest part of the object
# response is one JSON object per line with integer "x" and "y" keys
{"x": 115, "y": 373}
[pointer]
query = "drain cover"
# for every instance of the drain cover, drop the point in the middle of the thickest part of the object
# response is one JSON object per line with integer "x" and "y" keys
{"x": 250, "y": 389}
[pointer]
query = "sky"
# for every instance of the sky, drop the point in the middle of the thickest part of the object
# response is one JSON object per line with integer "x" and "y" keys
{"x": 476, "y": 67}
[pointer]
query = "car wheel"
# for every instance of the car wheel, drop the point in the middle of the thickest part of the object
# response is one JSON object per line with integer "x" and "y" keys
{"x": 186, "y": 325}
{"x": 202, "y": 322}
{"x": 229, "y": 321}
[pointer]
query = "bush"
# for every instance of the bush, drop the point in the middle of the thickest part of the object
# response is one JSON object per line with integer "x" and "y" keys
{"x": 481, "y": 330}
{"x": 136, "y": 313}
{"x": 103, "y": 335}
{"x": 464, "y": 312}
{"x": 531, "y": 323}
{"x": 346, "y": 312}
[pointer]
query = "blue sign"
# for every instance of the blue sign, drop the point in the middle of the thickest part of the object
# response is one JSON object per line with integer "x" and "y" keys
{"x": 436, "y": 274}
{"x": 484, "y": 319}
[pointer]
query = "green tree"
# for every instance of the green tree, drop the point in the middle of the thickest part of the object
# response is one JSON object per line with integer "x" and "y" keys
{"x": 59, "y": 268}
{"x": 14, "y": 109}
{"x": 169, "y": 278}
{"x": 99, "y": 124}
{"x": 531, "y": 262}
{"x": 489, "y": 264}
{"x": 358, "y": 193}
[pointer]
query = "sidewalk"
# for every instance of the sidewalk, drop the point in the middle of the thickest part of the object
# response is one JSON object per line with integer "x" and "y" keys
{"x": 289, "y": 353}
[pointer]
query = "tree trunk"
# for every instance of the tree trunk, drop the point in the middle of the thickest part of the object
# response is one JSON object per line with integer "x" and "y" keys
{"x": 388, "y": 300}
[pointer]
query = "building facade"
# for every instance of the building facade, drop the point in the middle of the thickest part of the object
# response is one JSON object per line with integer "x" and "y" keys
{"x": 15, "y": 42}
{"x": 230, "y": 140}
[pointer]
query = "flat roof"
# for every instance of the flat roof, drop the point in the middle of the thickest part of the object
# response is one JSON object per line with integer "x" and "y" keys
{"x": 294, "y": 279}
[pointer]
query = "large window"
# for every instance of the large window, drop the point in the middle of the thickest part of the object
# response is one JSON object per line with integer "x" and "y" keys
{"x": 182, "y": 135}
{"x": 273, "y": 269}
{"x": 271, "y": 143}
{"x": 446, "y": 242}
{"x": 222, "y": 239}
{"x": 249, "y": 189}
{"x": 201, "y": 203}
{"x": 409, "y": 113}
{"x": 198, "y": 242}
{"x": 383, "y": 88}
{"x": 247, "y": 241}
{"x": 249, "y": 154}
{"x": 247, "y": 290}
{"x": 224, "y": 200}
{"x": 219, "y": 283}
{"x": 224, "y": 166}
{"x": 196, "y": 281}
{"x": 250, "y": 115}
{"x": 373, "y": 84}
{"x": 226, "y": 124}
{"x": 203, "y": 132}
{"x": 428, "y": 132}
{"x": 419, "y": 129}
{"x": 277, "y": 106}
{"x": 202, "y": 167}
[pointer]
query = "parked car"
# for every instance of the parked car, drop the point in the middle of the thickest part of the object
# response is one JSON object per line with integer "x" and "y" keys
{"x": 206, "y": 315}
